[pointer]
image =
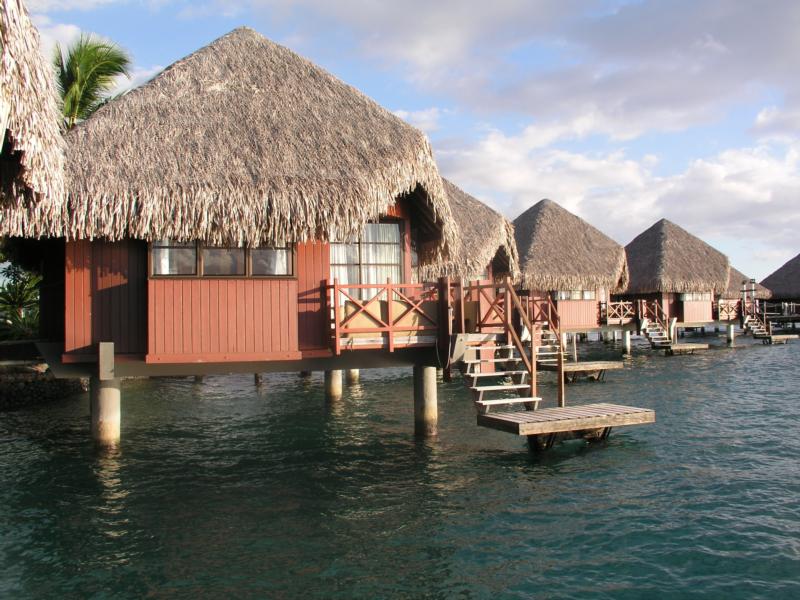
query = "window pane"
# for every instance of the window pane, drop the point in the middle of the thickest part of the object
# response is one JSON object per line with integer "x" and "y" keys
{"x": 382, "y": 232}
{"x": 344, "y": 254}
{"x": 381, "y": 254}
{"x": 271, "y": 261}
{"x": 223, "y": 261}
{"x": 345, "y": 274}
{"x": 172, "y": 244}
{"x": 588, "y": 294}
{"x": 575, "y": 295}
{"x": 174, "y": 261}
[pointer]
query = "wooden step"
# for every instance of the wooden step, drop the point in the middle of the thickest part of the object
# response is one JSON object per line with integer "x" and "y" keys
{"x": 491, "y": 360}
{"x": 484, "y": 405}
{"x": 498, "y": 388}
{"x": 498, "y": 374}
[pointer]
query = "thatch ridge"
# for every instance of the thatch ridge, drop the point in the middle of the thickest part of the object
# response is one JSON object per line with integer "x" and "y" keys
{"x": 485, "y": 236}
{"x": 785, "y": 282}
{"x": 666, "y": 258}
{"x": 32, "y": 156}
{"x": 734, "y": 291}
{"x": 560, "y": 251}
{"x": 244, "y": 141}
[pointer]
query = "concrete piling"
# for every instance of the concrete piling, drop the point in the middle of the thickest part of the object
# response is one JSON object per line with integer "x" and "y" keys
{"x": 105, "y": 398}
{"x": 426, "y": 409}
{"x": 333, "y": 385}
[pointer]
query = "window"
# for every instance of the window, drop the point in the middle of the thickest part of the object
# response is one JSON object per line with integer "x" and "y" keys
{"x": 223, "y": 261}
{"x": 174, "y": 258}
{"x": 575, "y": 295}
{"x": 271, "y": 261}
{"x": 376, "y": 257}
{"x": 696, "y": 297}
{"x": 192, "y": 259}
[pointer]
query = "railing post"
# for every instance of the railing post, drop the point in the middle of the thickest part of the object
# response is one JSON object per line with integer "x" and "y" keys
{"x": 337, "y": 342}
{"x": 562, "y": 393}
{"x": 389, "y": 313}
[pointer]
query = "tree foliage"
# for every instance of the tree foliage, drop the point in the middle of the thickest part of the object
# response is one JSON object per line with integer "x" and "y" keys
{"x": 86, "y": 74}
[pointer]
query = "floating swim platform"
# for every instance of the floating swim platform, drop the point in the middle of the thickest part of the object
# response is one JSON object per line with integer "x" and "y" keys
{"x": 591, "y": 369}
{"x": 675, "y": 349}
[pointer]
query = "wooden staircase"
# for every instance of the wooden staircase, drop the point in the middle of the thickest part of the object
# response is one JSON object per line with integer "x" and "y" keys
{"x": 757, "y": 327}
{"x": 657, "y": 335}
{"x": 498, "y": 380}
{"x": 549, "y": 347}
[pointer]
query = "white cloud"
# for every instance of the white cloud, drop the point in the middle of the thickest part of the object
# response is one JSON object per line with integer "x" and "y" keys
{"x": 744, "y": 200}
{"x": 43, "y": 6}
{"x": 426, "y": 119}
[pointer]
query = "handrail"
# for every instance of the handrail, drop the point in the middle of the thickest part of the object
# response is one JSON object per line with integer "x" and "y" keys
{"x": 512, "y": 335}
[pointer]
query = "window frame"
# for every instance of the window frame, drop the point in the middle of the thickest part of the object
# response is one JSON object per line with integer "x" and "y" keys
{"x": 248, "y": 264}
{"x": 360, "y": 243}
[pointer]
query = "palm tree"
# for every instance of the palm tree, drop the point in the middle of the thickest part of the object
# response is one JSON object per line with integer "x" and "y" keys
{"x": 86, "y": 74}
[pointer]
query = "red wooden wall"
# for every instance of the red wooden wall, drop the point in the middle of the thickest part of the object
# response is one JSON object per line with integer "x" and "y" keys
{"x": 313, "y": 269}
{"x": 105, "y": 301}
{"x": 698, "y": 312}
{"x": 578, "y": 314}
{"x": 222, "y": 320}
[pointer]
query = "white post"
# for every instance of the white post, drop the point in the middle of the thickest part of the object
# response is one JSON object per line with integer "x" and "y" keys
{"x": 333, "y": 385}
{"x": 574, "y": 347}
{"x": 426, "y": 409}
{"x": 353, "y": 375}
{"x": 626, "y": 341}
{"x": 731, "y": 335}
{"x": 105, "y": 408}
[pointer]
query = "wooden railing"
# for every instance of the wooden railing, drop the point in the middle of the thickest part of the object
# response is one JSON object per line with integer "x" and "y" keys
{"x": 392, "y": 316}
{"x": 653, "y": 311}
{"x": 727, "y": 310}
{"x": 617, "y": 313}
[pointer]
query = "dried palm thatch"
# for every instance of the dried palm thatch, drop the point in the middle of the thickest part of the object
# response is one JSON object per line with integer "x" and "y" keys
{"x": 667, "y": 258}
{"x": 32, "y": 155}
{"x": 561, "y": 251}
{"x": 485, "y": 237}
{"x": 785, "y": 282}
{"x": 737, "y": 280}
{"x": 244, "y": 141}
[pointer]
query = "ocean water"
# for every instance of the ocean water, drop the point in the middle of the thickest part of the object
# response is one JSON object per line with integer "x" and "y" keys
{"x": 223, "y": 490}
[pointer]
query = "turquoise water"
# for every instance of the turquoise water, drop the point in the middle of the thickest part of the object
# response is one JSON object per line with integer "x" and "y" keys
{"x": 221, "y": 490}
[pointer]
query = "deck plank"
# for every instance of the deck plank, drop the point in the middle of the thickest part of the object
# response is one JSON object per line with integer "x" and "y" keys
{"x": 554, "y": 420}
{"x": 585, "y": 367}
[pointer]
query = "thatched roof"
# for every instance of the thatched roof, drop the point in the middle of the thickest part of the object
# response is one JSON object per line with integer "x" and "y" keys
{"x": 735, "y": 281}
{"x": 785, "y": 282}
{"x": 561, "y": 251}
{"x": 667, "y": 258}
{"x": 31, "y": 159}
{"x": 485, "y": 235}
{"x": 245, "y": 141}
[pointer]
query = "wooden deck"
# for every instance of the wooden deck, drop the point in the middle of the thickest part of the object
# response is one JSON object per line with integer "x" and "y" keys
{"x": 685, "y": 348}
{"x": 780, "y": 339}
{"x": 568, "y": 419}
{"x": 591, "y": 369}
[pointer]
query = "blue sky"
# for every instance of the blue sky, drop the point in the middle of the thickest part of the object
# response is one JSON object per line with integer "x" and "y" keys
{"x": 624, "y": 112}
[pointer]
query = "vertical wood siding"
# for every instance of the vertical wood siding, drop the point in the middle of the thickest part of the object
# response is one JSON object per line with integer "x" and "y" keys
{"x": 105, "y": 296}
{"x": 697, "y": 312}
{"x": 578, "y": 314}
{"x": 222, "y": 320}
{"x": 313, "y": 269}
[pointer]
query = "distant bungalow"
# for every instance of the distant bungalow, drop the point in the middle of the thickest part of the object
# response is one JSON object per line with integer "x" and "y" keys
{"x": 32, "y": 157}
{"x": 563, "y": 256}
{"x": 740, "y": 289}
{"x": 486, "y": 248}
{"x": 675, "y": 276}
{"x": 785, "y": 282}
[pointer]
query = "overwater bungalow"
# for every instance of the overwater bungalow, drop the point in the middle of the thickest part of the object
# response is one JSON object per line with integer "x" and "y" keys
{"x": 32, "y": 153}
{"x": 567, "y": 259}
{"x": 246, "y": 211}
{"x": 674, "y": 279}
{"x": 785, "y": 282}
{"x": 740, "y": 298}
{"x": 486, "y": 248}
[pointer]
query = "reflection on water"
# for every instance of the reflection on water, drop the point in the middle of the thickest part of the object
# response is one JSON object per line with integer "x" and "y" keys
{"x": 223, "y": 489}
